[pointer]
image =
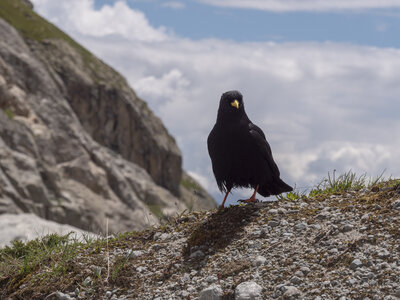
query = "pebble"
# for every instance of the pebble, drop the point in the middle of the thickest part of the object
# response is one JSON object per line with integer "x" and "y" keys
{"x": 165, "y": 236}
{"x": 397, "y": 294}
{"x": 248, "y": 290}
{"x": 273, "y": 223}
{"x": 213, "y": 292}
{"x": 291, "y": 292}
{"x": 347, "y": 228}
{"x": 295, "y": 280}
{"x": 396, "y": 204}
{"x": 356, "y": 263}
{"x": 299, "y": 273}
{"x": 259, "y": 261}
{"x": 141, "y": 269}
{"x": 383, "y": 253}
{"x": 62, "y": 296}
{"x": 212, "y": 279}
{"x": 197, "y": 253}
{"x": 136, "y": 253}
{"x": 305, "y": 270}
{"x": 301, "y": 226}
{"x": 87, "y": 281}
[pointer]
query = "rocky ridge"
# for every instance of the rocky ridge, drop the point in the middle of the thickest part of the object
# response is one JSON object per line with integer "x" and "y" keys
{"x": 342, "y": 245}
{"x": 77, "y": 146}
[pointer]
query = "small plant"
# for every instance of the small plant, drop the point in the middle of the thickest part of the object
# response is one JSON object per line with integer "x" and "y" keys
{"x": 9, "y": 113}
{"x": 156, "y": 210}
{"x": 120, "y": 264}
{"x": 348, "y": 181}
{"x": 190, "y": 184}
{"x": 333, "y": 184}
{"x": 294, "y": 195}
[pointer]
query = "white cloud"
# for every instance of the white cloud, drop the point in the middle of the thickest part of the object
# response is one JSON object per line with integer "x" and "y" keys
{"x": 174, "y": 4}
{"x": 305, "y": 5}
{"x": 323, "y": 106}
{"x": 76, "y": 16}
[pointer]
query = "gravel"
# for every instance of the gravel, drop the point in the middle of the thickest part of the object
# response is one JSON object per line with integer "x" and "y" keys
{"x": 343, "y": 246}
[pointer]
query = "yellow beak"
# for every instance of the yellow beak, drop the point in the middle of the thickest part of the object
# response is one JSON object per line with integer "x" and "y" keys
{"x": 235, "y": 103}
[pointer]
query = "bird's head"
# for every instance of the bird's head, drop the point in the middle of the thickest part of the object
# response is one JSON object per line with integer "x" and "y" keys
{"x": 231, "y": 105}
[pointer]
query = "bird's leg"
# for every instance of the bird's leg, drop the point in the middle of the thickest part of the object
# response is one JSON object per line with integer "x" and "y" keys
{"x": 226, "y": 196}
{"x": 252, "y": 199}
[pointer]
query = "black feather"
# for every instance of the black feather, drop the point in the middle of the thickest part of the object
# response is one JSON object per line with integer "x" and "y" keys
{"x": 240, "y": 153}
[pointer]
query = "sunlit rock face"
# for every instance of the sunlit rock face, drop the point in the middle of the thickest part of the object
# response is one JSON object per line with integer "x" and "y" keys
{"x": 77, "y": 146}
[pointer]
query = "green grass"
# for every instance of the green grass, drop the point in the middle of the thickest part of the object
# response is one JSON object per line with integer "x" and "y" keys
{"x": 190, "y": 184}
{"x": 9, "y": 113}
{"x": 156, "y": 210}
{"x": 39, "y": 267}
{"x": 334, "y": 184}
{"x": 20, "y": 260}
{"x": 33, "y": 27}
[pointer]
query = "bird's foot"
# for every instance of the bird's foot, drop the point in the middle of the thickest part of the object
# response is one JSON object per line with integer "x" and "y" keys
{"x": 251, "y": 200}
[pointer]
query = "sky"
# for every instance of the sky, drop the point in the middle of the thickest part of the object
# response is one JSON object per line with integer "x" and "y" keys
{"x": 321, "y": 78}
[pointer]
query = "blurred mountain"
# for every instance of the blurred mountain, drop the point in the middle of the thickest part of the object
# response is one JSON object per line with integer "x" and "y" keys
{"x": 77, "y": 145}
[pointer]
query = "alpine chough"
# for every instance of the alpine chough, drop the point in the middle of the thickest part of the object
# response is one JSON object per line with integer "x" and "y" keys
{"x": 240, "y": 154}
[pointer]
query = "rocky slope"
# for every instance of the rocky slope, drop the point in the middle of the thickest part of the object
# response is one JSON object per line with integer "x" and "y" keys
{"x": 342, "y": 244}
{"x": 77, "y": 146}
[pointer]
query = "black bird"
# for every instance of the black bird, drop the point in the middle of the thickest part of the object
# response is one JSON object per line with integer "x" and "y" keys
{"x": 240, "y": 154}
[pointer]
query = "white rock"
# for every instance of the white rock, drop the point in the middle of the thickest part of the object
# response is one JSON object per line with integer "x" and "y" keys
{"x": 248, "y": 290}
{"x": 396, "y": 204}
{"x": 197, "y": 253}
{"x": 165, "y": 236}
{"x": 213, "y": 292}
{"x": 62, "y": 296}
{"x": 291, "y": 292}
{"x": 26, "y": 227}
{"x": 212, "y": 279}
{"x": 259, "y": 261}
{"x": 136, "y": 253}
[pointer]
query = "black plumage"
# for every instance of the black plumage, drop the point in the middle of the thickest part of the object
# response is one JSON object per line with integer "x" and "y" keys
{"x": 240, "y": 153}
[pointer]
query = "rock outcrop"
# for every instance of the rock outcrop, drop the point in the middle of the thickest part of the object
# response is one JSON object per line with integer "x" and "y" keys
{"x": 77, "y": 146}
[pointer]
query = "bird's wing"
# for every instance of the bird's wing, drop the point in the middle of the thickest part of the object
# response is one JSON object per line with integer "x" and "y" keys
{"x": 263, "y": 146}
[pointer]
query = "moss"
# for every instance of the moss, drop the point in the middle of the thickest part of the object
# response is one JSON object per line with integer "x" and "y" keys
{"x": 190, "y": 184}
{"x": 9, "y": 113}
{"x": 156, "y": 210}
{"x": 33, "y": 27}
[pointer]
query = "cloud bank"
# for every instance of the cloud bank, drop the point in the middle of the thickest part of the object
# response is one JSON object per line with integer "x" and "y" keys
{"x": 305, "y": 5}
{"x": 323, "y": 106}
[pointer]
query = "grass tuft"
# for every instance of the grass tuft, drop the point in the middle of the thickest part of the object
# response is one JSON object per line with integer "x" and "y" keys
{"x": 156, "y": 210}
{"x": 190, "y": 184}
{"x": 9, "y": 113}
{"x": 334, "y": 184}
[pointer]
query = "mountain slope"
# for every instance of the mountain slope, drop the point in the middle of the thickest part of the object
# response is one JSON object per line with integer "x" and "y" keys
{"x": 77, "y": 145}
{"x": 341, "y": 243}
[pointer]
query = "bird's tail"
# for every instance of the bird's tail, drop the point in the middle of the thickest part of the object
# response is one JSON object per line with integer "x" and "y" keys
{"x": 278, "y": 186}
